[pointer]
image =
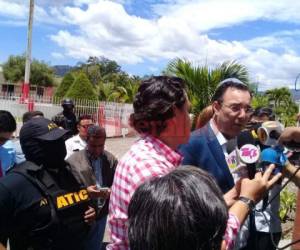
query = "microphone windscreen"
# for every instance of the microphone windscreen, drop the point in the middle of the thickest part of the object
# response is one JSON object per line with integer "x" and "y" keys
{"x": 272, "y": 156}
{"x": 269, "y": 155}
{"x": 245, "y": 137}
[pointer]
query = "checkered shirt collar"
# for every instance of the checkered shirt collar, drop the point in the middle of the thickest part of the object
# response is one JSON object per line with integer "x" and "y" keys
{"x": 172, "y": 156}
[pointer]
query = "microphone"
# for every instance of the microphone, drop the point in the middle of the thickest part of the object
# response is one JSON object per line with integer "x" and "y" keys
{"x": 248, "y": 152}
{"x": 271, "y": 156}
{"x": 270, "y": 131}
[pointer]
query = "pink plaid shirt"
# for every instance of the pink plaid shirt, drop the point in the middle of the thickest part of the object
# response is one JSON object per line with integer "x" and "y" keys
{"x": 147, "y": 158}
{"x": 232, "y": 229}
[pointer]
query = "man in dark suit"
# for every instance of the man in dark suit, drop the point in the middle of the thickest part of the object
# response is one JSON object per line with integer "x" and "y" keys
{"x": 207, "y": 147}
{"x": 95, "y": 167}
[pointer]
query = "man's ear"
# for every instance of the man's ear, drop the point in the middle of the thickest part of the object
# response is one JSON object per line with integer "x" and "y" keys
{"x": 216, "y": 107}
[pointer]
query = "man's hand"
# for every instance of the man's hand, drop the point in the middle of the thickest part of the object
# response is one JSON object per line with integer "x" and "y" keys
{"x": 89, "y": 215}
{"x": 255, "y": 189}
{"x": 290, "y": 134}
{"x": 94, "y": 192}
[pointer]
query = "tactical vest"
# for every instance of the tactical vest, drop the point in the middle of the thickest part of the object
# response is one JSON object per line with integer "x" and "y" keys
{"x": 67, "y": 209}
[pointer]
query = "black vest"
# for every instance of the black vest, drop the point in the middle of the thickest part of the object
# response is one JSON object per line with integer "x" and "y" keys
{"x": 64, "y": 227}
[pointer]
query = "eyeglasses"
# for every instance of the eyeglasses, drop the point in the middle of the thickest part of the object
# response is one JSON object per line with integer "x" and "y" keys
{"x": 237, "y": 108}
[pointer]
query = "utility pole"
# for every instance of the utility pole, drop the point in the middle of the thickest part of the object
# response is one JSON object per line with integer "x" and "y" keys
{"x": 26, "y": 84}
{"x": 296, "y": 81}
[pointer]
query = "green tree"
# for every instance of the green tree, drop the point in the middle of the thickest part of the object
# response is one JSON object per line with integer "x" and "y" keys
{"x": 65, "y": 85}
{"x": 82, "y": 89}
{"x": 40, "y": 74}
{"x": 259, "y": 101}
{"x": 125, "y": 94}
{"x": 108, "y": 66}
{"x": 123, "y": 91}
{"x": 202, "y": 81}
{"x": 232, "y": 69}
{"x": 105, "y": 91}
{"x": 283, "y": 104}
{"x": 279, "y": 96}
{"x": 100, "y": 69}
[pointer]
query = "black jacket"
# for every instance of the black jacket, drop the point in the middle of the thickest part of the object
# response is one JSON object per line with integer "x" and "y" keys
{"x": 44, "y": 214}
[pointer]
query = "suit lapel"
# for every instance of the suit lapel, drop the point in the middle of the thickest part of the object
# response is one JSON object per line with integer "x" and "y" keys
{"x": 218, "y": 154}
{"x": 215, "y": 148}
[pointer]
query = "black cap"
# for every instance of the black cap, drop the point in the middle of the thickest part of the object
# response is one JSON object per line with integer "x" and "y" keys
{"x": 41, "y": 128}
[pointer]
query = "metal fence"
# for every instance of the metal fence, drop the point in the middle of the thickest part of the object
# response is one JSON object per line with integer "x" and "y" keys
{"x": 112, "y": 116}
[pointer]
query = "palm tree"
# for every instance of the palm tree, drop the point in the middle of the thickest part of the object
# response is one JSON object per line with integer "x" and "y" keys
{"x": 279, "y": 96}
{"x": 259, "y": 101}
{"x": 202, "y": 81}
{"x": 105, "y": 91}
{"x": 125, "y": 94}
{"x": 284, "y": 106}
{"x": 233, "y": 69}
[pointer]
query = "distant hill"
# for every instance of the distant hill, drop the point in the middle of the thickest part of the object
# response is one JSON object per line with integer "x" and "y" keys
{"x": 61, "y": 70}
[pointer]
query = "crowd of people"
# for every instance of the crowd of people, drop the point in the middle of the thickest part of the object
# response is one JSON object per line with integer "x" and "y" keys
{"x": 173, "y": 189}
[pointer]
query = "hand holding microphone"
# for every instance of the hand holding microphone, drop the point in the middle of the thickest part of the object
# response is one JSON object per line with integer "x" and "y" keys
{"x": 290, "y": 136}
{"x": 256, "y": 188}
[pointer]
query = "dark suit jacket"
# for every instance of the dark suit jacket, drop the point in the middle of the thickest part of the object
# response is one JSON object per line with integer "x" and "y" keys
{"x": 203, "y": 150}
{"x": 82, "y": 170}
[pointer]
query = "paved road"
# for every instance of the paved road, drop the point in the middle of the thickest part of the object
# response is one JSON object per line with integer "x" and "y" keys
{"x": 119, "y": 146}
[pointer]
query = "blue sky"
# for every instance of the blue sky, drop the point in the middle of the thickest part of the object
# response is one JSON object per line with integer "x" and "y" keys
{"x": 143, "y": 36}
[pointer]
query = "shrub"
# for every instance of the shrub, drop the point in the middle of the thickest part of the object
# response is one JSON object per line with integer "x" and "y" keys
{"x": 64, "y": 85}
{"x": 81, "y": 89}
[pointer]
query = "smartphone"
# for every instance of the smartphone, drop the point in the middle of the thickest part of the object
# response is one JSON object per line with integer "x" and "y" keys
{"x": 103, "y": 189}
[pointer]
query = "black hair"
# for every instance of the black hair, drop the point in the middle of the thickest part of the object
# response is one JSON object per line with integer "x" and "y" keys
{"x": 84, "y": 117}
{"x": 30, "y": 114}
{"x": 7, "y": 122}
{"x": 95, "y": 131}
{"x": 155, "y": 101}
{"x": 184, "y": 209}
{"x": 228, "y": 83}
{"x": 262, "y": 111}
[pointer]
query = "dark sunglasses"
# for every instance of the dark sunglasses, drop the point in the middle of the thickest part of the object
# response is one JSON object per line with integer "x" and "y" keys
{"x": 86, "y": 126}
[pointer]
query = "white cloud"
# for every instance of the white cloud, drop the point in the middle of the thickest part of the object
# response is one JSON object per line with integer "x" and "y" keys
{"x": 154, "y": 69}
{"x": 105, "y": 28}
{"x": 13, "y": 9}
{"x": 16, "y": 12}
{"x": 272, "y": 69}
{"x": 179, "y": 29}
{"x": 57, "y": 55}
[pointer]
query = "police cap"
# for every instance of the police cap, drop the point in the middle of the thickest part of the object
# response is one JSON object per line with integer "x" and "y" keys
{"x": 67, "y": 102}
{"x": 41, "y": 128}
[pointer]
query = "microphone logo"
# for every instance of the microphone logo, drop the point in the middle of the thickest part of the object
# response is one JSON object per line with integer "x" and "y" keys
{"x": 249, "y": 153}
